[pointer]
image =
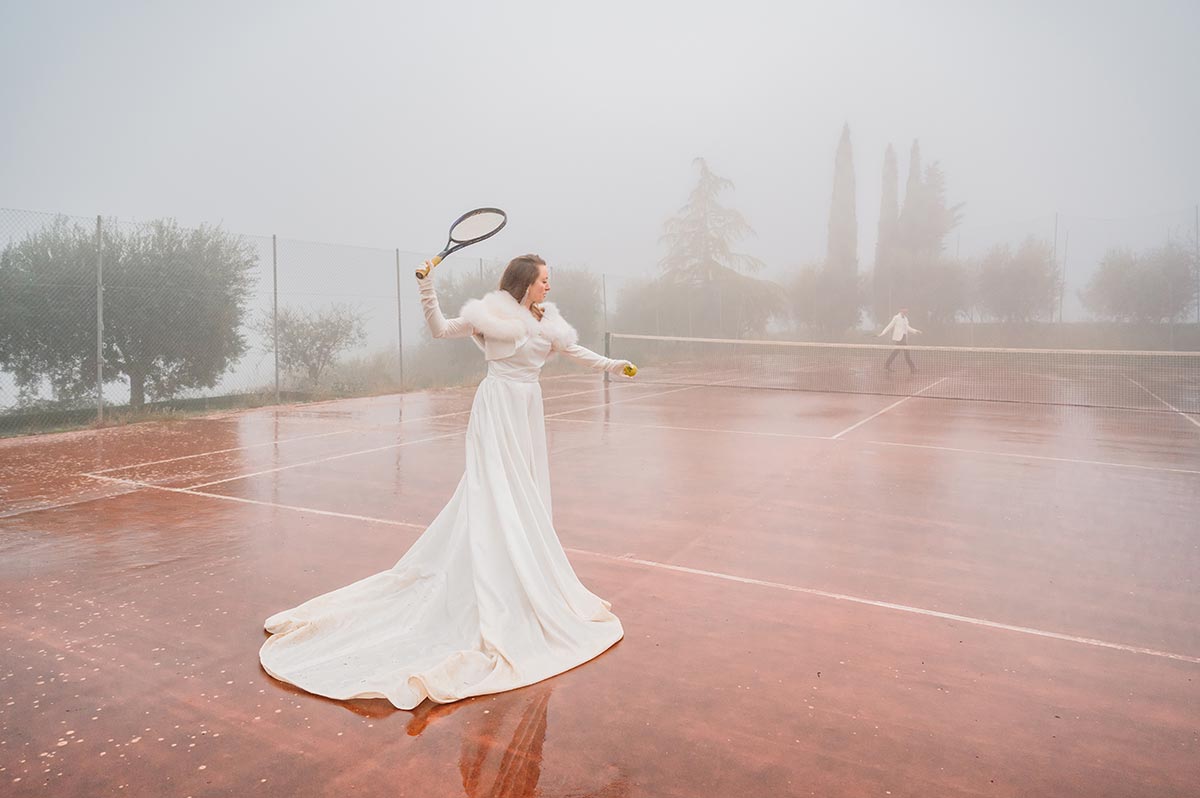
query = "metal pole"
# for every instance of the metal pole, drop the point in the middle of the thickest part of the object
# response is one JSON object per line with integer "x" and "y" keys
{"x": 1062, "y": 290}
{"x": 721, "y": 309}
{"x": 1054, "y": 256}
{"x": 604, "y": 297}
{"x": 275, "y": 308}
{"x": 607, "y": 350}
{"x": 399, "y": 324}
{"x": 99, "y": 324}
{"x": 1196, "y": 243}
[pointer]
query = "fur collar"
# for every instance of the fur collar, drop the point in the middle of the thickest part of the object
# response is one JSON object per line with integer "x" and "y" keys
{"x": 501, "y": 318}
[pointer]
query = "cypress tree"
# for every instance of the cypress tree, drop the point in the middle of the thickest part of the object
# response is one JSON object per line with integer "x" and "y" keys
{"x": 885, "y": 243}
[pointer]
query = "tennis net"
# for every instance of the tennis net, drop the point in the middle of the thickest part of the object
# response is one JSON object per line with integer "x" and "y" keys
{"x": 1163, "y": 381}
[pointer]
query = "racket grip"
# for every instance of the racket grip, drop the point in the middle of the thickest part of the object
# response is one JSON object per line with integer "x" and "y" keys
{"x": 629, "y": 370}
{"x": 422, "y": 273}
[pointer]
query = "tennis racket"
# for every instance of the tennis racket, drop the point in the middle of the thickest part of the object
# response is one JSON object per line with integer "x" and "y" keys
{"x": 470, "y": 228}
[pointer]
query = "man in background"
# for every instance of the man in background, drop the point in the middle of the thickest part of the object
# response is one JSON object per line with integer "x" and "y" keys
{"x": 900, "y": 328}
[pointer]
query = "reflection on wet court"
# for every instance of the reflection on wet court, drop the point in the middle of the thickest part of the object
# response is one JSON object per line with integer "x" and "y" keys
{"x": 823, "y": 593}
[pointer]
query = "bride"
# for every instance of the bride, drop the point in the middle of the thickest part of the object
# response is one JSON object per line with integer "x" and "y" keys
{"x": 485, "y": 600}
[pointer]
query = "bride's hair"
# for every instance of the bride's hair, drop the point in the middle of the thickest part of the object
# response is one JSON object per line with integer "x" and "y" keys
{"x": 520, "y": 273}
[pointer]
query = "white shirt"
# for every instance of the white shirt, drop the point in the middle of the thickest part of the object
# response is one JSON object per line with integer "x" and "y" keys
{"x": 900, "y": 327}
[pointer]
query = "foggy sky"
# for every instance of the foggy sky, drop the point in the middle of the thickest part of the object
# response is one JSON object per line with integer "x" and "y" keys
{"x": 376, "y": 123}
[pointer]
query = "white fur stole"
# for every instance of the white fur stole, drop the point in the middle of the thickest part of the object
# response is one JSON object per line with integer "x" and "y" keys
{"x": 499, "y": 317}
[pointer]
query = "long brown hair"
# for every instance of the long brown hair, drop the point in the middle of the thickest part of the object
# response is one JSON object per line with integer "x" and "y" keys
{"x": 520, "y": 273}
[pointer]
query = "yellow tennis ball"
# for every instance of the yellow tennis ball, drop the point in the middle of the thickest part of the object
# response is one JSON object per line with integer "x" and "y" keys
{"x": 630, "y": 370}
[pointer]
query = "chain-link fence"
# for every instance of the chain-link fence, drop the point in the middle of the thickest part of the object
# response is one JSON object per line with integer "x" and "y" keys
{"x": 110, "y": 320}
{"x": 106, "y": 320}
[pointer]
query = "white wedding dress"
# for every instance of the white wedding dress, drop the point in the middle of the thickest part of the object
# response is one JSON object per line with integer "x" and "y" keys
{"x": 485, "y": 600}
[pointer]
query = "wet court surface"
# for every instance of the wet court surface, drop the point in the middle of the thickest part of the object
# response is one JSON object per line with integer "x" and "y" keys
{"x": 823, "y": 594}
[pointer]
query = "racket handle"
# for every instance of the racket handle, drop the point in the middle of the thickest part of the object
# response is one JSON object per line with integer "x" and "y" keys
{"x": 629, "y": 370}
{"x": 429, "y": 264}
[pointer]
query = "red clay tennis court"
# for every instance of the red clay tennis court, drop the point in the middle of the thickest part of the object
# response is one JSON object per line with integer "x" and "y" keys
{"x": 824, "y": 593}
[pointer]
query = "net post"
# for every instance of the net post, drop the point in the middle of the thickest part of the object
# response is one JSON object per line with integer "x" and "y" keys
{"x": 275, "y": 309}
{"x": 607, "y": 351}
{"x": 604, "y": 297}
{"x": 99, "y": 324}
{"x": 399, "y": 324}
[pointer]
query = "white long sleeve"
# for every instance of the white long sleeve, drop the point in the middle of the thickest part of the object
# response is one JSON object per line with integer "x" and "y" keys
{"x": 592, "y": 360}
{"x": 891, "y": 324}
{"x": 439, "y": 325}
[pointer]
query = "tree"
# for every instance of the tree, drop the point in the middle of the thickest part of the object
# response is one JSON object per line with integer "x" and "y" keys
{"x": 1156, "y": 286}
{"x": 577, "y": 293}
{"x": 699, "y": 239}
{"x": 840, "y": 280}
{"x": 48, "y": 313}
{"x": 885, "y": 243}
{"x": 310, "y": 341}
{"x": 940, "y": 289}
{"x": 174, "y": 303}
{"x": 1019, "y": 286}
{"x": 809, "y": 292}
{"x": 703, "y": 274}
{"x": 917, "y": 267}
{"x": 827, "y": 297}
{"x": 842, "y": 251}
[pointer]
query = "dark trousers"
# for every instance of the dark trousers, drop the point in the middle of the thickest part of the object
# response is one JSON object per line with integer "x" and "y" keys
{"x": 900, "y": 347}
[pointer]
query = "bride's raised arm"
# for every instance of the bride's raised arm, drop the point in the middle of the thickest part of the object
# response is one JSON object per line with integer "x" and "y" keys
{"x": 439, "y": 325}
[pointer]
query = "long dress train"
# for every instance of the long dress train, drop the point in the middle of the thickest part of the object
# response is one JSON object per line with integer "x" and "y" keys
{"x": 485, "y": 600}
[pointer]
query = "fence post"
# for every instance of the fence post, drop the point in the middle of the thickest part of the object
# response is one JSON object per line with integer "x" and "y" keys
{"x": 607, "y": 350}
{"x": 99, "y": 324}
{"x": 399, "y": 324}
{"x": 604, "y": 298}
{"x": 275, "y": 309}
{"x": 721, "y": 310}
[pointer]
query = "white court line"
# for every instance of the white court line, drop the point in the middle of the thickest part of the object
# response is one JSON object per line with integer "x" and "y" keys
{"x": 1038, "y": 457}
{"x": 395, "y": 445}
{"x": 628, "y": 384}
{"x": 1087, "y": 641}
{"x": 398, "y": 445}
{"x": 320, "y": 460}
{"x": 1164, "y": 401}
{"x": 1074, "y": 461}
{"x": 622, "y": 401}
{"x": 884, "y": 410}
{"x": 240, "y": 500}
{"x": 390, "y": 425}
{"x": 47, "y": 507}
{"x": 723, "y": 576}
{"x": 696, "y": 429}
{"x": 222, "y": 451}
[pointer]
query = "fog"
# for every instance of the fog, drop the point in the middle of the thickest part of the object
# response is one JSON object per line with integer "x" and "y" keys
{"x": 375, "y": 124}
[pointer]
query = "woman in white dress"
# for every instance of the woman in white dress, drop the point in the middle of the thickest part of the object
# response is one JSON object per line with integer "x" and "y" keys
{"x": 485, "y": 600}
